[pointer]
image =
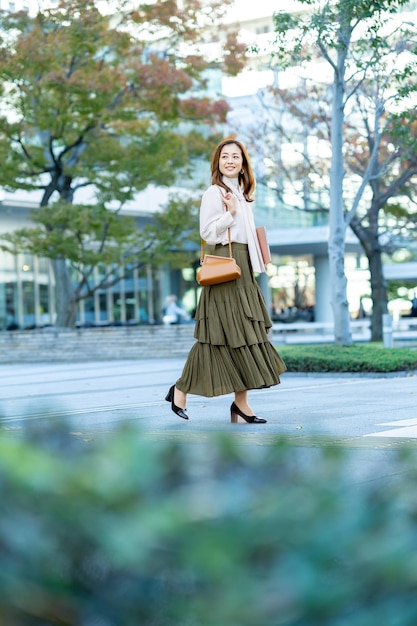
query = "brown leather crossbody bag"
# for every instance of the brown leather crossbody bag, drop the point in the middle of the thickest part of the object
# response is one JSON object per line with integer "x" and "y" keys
{"x": 217, "y": 269}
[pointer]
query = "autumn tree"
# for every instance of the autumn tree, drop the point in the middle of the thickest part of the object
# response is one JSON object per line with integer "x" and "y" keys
{"x": 338, "y": 31}
{"x": 380, "y": 133}
{"x": 387, "y": 147}
{"x": 95, "y": 108}
{"x": 295, "y": 119}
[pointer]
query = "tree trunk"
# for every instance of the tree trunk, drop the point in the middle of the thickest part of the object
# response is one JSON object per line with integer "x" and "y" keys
{"x": 65, "y": 301}
{"x": 336, "y": 246}
{"x": 369, "y": 239}
{"x": 66, "y": 305}
{"x": 379, "y": 294}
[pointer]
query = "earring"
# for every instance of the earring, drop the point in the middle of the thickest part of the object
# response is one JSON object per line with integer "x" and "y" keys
{"x": 242, "y": 171}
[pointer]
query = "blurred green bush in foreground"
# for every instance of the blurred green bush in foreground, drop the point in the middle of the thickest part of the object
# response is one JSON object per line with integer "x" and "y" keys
{"x": 124, "y": 531}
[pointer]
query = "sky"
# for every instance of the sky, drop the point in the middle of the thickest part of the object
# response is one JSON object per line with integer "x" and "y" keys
{"x": 242, "y": 9}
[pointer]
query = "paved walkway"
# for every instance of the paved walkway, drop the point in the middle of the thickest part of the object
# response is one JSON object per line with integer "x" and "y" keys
{"x": 372, "y": 414}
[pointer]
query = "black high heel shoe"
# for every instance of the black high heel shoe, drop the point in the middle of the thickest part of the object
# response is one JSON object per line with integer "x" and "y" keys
{"x": 177, "y": 409}
{"x": 238, "y": 417}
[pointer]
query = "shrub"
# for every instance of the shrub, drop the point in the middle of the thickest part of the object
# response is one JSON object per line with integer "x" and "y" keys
{"x": 126, "y": 531}
{"x": 354, "y": 358}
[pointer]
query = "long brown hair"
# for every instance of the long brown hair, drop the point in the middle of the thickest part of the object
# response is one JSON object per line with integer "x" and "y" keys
{"x": 246, "y": 179}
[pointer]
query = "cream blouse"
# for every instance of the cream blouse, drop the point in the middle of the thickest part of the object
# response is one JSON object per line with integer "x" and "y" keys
{"x": 215, "y": 220}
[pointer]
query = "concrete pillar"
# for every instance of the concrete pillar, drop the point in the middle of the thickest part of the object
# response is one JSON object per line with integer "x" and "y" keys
{"x": 165, "y": 283}
{"x": 263, "y": 282}
{"x": 323, "y": 308}
{"x": 387, "y": 331}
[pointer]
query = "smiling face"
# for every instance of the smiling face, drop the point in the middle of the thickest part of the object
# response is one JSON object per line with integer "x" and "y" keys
{"x": 231, "y": 160}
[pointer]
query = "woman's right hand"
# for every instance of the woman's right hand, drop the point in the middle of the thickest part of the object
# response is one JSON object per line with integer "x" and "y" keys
{"x": 230, "y": 202}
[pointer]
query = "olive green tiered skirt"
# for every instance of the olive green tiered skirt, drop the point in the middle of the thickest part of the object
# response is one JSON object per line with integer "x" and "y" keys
{"x": 232, "y": 352}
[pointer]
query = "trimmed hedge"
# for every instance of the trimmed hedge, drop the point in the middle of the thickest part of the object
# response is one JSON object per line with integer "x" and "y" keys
{"x": 126, "y": 532}
{"x": 354, "y": 358}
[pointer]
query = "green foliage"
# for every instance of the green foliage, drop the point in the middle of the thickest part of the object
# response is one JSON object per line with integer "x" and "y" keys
{"x": 395, "y": 287}
{"x": 124, "y": 531}
{"x": 174, "y": 232}
{"x": 353, "y": 358}
{"x": 291, "y": 33}
{"x": 83, "y": 234}
{"x": 328, "y": 26}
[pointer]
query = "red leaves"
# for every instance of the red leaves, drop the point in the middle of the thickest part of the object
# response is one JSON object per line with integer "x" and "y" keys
{"x": 199, "y": 109}
{"x": 235, "y": 58}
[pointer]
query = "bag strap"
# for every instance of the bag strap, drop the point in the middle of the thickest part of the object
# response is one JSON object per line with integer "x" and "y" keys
{"x": 202, "y": 247}
{"x": 228, "y": 236}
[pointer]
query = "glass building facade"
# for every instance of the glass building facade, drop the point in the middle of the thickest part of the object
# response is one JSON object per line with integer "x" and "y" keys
{"x": 27, "y": 296}
{"x": 25, "y": 291}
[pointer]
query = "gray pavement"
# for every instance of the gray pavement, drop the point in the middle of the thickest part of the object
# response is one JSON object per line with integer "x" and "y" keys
{"x": 373, "y": 415}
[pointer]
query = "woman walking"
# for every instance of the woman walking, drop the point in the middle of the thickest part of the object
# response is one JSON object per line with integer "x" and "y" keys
{"x": 232, "y": 353}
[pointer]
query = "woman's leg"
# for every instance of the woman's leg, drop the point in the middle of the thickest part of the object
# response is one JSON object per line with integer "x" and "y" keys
{"x": 175, "y": 396}
{"x": 241, "y": 401}
{"x": 241, "y": 412}
{"x": 180, "y": 398}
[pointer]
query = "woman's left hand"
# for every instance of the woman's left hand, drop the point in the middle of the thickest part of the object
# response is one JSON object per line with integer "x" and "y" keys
{"x": 230, "y": 202}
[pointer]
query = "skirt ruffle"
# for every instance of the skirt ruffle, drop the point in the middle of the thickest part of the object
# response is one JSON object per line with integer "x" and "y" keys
{"x": 233, "y": 351}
